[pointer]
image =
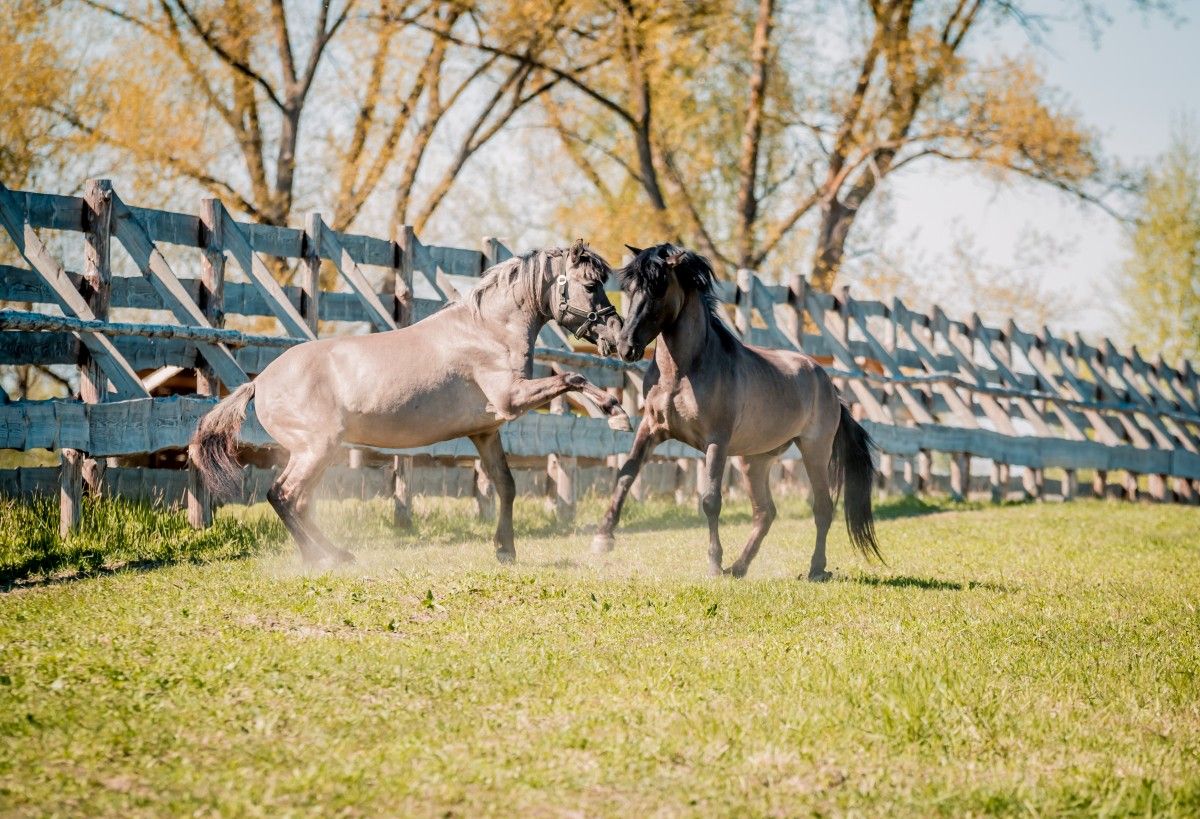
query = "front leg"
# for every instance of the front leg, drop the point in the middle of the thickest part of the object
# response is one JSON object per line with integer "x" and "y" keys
{"x": 495, "y": 465}
{"x": 643, "y": 444}
{"x": 525, "y": 394}
{"x": 715, "y": 456}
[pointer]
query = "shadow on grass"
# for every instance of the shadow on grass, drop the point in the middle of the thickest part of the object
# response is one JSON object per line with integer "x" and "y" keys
{"x": 925, "y": 583}
{"x": 662, "y": 515}
{"x": 51, "y": 571}
{"x": 116, "y": 536}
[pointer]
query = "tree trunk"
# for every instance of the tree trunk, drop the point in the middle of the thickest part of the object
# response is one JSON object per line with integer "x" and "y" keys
{"x": 836, "y": 221}
{"x": 752, "y": 134}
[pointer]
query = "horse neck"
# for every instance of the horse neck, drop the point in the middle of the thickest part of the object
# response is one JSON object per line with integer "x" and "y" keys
{"x": 684, "y": 341}
{"x": 508, "y": 312}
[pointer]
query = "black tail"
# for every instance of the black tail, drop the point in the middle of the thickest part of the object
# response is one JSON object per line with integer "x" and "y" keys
{"x": 214, "y": 446}
{"x": 852, "y": 464}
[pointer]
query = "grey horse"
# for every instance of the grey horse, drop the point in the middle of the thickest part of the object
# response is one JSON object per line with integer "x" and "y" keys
{"x": 463, "y": 371}
{"x": 711, "y": 391}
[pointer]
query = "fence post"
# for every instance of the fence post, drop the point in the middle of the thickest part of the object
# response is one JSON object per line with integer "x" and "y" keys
{"x": 402, "y": 311}
{"x": 884, "y": 478}
{"x": 211, "y": 300}
{"x": 998, "y": 482}
{"x": 485, "y": 493}
{"x": 1070, "y": 485}
{"x": 744, "y": 302}
{"x": 1131, "y": 486}
{"x": 310, "y": 272}
{"x": 1183, "y": 490}
{"x": 97, "y": 290}
{"x": 562, "y": 470}
{"x": 909, "y": 480}
{"x": 1157, "y": 485}
{"x": 924, "y": 472}
{"x": 960, "y": 467}
{"x": 1033, "y": 481}
{"x": 1100, "y": 483}
{"x": 685, "y": 480}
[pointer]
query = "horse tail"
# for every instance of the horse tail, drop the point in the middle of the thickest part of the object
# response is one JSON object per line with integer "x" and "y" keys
{"x": 853, "y": 466}
{"x": 214, "y": 446}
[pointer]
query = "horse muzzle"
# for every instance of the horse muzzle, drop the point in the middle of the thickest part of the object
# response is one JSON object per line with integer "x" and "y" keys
{"x": 630, "y": 352}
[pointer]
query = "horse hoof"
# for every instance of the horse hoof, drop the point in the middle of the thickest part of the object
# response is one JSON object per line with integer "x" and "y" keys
{"x": 332, "y": 560}
{"x": 736, "y": 571}
{"x": 506, "y": 556}
{"x": 620, "y": 422}
{"x": 603, "y": 544}
{"x": 715, "y": 571}
{"x": 820, "y": 577}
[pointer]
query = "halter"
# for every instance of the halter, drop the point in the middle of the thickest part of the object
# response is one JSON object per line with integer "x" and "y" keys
{"x": 565, "y": 308}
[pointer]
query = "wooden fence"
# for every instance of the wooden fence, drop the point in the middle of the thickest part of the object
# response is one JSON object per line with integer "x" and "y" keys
{"x": 931, "y": 390}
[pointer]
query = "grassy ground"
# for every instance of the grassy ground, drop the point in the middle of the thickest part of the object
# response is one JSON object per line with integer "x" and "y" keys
{"x": 1028, "y": 659}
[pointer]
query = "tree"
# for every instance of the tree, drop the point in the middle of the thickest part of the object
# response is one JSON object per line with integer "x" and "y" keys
{"x": 1161, "y": 278}
{"x": 34, "y": 81}
{"x": 268, "y": 105}
{"x": 733, "y": 125}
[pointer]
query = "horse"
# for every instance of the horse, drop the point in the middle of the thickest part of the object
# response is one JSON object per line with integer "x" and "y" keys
{"x": 708, "y": 389}
{"x": 463, "y": 371}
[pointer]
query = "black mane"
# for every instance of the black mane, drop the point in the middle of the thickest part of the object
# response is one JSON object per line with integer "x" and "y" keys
{"x": 650, "y": 273}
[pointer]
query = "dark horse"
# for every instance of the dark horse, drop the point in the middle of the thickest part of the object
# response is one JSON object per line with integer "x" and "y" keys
{"x": 709, "y": 390}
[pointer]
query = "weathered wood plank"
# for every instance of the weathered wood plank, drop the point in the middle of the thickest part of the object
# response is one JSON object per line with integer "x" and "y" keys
{"x": 150, "y": 261}
{"x": 35, "y": 253}
{"x": 254, "y": 268}
{"x": 327, "y": 242}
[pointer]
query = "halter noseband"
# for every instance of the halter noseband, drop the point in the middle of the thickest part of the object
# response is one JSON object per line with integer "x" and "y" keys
{"x": 590, "y": 318}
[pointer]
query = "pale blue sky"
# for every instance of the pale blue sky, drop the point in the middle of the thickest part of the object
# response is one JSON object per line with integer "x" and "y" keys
{"x": 1131, "y": 86}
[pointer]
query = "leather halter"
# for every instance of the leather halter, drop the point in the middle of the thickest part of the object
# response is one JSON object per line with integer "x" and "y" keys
{"x": 565, "y": 308}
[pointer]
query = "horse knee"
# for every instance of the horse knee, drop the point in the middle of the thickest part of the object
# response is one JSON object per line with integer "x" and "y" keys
{"x": 710, "y": 503}
{"x": 766, "y": 514}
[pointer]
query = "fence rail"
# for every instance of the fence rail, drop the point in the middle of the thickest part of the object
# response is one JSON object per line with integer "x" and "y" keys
{"x": 921, "y": 383}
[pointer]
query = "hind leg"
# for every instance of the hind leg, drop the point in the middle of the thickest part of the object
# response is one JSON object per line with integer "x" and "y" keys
{"x": 495, "y": 464}
{"x": 817, "y": 454}
{"x": 292, "y": 520}
{"x": 290, "y": 496}
{"x": 758, "y": 476}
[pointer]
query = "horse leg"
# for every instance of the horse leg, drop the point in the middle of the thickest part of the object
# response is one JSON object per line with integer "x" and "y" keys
{"x": 292, "y": 519}
{"x": 495, "y": 464}
{"x": 290, "y": 495}
{"x": 714, "y": 470}
{"x": 758, "y": 477}
{"x": 525, "y": 394}
{"x": 643, "y": 443}
{"x": 817, "y": 454}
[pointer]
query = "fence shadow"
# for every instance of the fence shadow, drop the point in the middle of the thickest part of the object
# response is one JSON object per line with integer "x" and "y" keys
{"x": 923, "y": 583}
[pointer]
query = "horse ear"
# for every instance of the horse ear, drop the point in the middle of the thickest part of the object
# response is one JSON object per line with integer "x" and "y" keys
{"x": 634, "y": 250}
{"x": 577, "y": 250}
{"x": 693, "y": 270}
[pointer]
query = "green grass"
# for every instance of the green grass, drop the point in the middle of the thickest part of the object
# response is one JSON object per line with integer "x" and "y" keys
{"x": 1028, "y": 659}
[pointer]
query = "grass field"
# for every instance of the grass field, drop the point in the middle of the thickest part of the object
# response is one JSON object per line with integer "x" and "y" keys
{"x": 1031, "y": 659}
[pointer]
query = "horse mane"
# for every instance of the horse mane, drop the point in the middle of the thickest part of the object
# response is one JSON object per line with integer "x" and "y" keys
{"x": 515, "y": 273}
{"x": 650, "y": 272}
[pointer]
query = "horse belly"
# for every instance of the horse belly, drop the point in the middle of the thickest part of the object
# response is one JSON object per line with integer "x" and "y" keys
{"x": 425, "y": 417}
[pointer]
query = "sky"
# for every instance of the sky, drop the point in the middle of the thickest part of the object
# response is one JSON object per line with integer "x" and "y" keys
{"x": 1132, "y": 86}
